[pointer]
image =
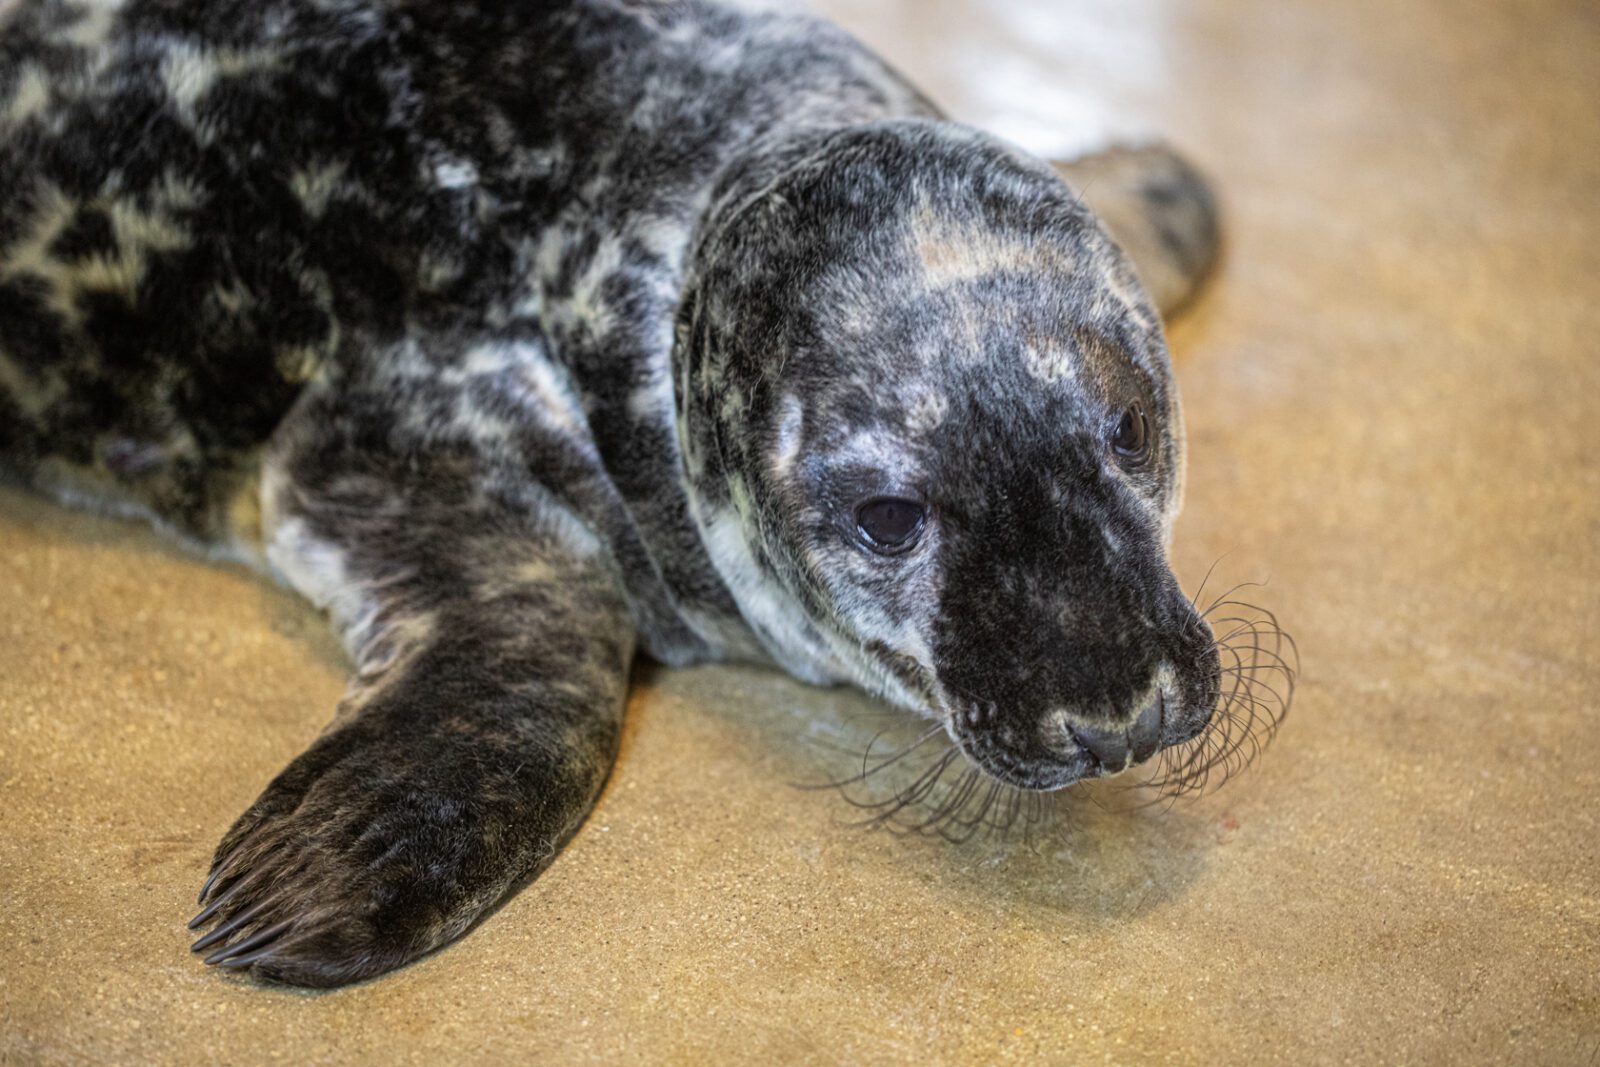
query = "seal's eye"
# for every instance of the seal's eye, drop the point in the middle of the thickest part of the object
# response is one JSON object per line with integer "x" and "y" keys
{"x": 889, "y": 524}
{"x": 1132, "y": 438}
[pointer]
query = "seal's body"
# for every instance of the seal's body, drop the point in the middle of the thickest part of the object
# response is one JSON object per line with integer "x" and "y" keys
{"x": 525, "y": 336}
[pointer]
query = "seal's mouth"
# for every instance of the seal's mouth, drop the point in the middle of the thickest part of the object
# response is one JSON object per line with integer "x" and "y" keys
{"x": 968, "y": 775}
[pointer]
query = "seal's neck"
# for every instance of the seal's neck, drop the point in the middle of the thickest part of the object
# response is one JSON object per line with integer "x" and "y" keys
{"x": 704, "y": 403}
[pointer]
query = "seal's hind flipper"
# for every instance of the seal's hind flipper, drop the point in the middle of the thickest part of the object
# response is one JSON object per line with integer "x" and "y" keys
{"x": 1159, "y": 209}
{"x": 491, "y": 640}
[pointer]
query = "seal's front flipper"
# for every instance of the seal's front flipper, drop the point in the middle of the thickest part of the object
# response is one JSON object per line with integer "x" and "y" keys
{"x": 1159, "y": 209}
{"x": 491, "y": 641}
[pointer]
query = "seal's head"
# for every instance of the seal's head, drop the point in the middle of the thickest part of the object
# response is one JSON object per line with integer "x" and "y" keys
{"x": 933, "y": 441}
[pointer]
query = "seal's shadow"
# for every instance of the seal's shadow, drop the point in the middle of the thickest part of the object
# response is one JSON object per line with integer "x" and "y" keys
{"x": 1103, "y": 851}
{"x": 1093, "y": 857}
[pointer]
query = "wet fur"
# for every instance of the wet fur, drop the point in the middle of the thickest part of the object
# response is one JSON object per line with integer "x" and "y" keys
{"x": 522, "y": 337}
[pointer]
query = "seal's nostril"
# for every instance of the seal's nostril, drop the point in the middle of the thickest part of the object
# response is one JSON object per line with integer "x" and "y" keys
{"x": 1145, "y": 737}
{"x": 1110, "y": 747}
{"x": 1113, "y": 748}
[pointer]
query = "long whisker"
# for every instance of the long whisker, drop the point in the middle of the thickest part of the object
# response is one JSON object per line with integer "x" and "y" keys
{"x": 886, "y": 810}
{"x": 1259, "y": 671}
{"x": 1194, "y": 601}
{"x": 874, "y": 768}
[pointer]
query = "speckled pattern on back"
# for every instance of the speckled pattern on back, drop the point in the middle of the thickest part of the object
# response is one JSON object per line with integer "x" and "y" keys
{"x": 520, "y": 336}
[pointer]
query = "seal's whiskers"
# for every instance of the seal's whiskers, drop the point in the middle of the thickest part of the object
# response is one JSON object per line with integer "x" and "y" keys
{"x": 1260, "y": 667}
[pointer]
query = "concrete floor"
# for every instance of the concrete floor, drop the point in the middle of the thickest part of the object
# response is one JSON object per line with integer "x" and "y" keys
{"x": 1391, "y": 397}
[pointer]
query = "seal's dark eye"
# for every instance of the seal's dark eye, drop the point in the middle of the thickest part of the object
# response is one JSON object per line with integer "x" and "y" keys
{"x": 1132, "y": 438}
{"x": 889, "y": 524}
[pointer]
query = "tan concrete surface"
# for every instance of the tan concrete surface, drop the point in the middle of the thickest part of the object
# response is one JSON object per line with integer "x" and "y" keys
{"x": 1391, "y": 394}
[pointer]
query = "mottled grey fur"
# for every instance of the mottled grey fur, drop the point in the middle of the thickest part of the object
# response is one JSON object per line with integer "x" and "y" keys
{"x": 521, "y": 336}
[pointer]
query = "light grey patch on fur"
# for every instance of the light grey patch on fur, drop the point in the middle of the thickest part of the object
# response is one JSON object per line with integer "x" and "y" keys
{"x": 316, "y": 569}
{"x": 317, "y": 184}
{"x": 30, "y": 97}
{"x": 925, "y": 409}
{"x": 453, "y": 174}
{"x": 560, "y": 405}
{"x": 588, "y": 304}
{"x": 138, "y": 233}
{"x": 92, "y": 28}
{"x": 769, "y": 608}
{"x": 32, "y": 394}
{"x": 190, "y": 71}
{"x": 791, "y": 426}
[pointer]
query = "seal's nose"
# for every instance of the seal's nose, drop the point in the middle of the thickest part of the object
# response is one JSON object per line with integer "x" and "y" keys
{"x": 1113, "y": 747}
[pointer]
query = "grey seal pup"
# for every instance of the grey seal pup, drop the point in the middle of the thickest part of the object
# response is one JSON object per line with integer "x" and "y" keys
{"x": 528, "y": 337}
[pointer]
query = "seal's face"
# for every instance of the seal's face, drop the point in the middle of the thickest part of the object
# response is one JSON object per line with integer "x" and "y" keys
{"x": 932, "y": 434}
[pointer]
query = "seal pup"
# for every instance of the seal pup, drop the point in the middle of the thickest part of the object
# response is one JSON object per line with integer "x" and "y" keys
{"x": 524, "y": 338}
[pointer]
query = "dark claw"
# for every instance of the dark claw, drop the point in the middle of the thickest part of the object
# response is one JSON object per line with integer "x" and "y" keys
{"x": 200, "y": 919}
{"x": 246, "y": 879}
{"x": 229, "y": 927}
{"x": 206, "y": 913}
{"x": 271, "y": 933}
{"x": 240, "y": 962}
{"x": 216, "y": 872}
{"x": 221, "y": 866}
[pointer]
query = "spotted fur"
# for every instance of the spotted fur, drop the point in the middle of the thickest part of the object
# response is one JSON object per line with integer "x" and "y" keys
{"x": 523, "y": 336}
